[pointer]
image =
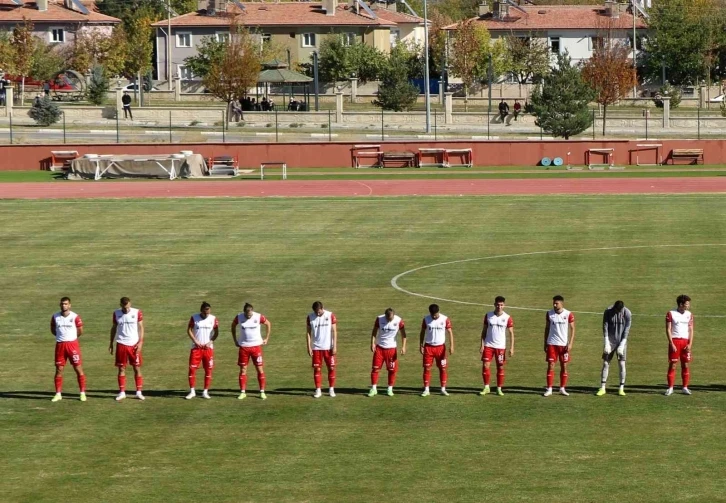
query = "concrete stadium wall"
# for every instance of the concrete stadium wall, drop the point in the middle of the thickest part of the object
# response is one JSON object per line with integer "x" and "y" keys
{"x": 338, "y": 154}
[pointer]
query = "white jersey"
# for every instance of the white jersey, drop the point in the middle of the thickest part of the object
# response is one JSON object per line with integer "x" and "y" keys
{"x": 559, "y": 327}
{"x": 436, "y": 329}
{"x": 321, "y": 328}
{"x": 387, "y": 331}
{"x": 203, "y": 328}
{"x": 127, "y": 326}
{"x": 680, "y": 323}
{"x": 496, "y": 327}
{"x": 250, "y": 334}
{"x": 65, "y": 328}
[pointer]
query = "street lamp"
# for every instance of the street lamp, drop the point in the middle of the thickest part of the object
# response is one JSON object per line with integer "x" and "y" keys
{"x": 427, "y": 96}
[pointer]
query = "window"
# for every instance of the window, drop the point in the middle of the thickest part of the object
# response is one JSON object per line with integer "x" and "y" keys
{"x": 638, "y": 42}
{"x": 184, "y": 39}
{"x": 348, "y": 38}
{"x": 555, "y": 45}
{"x": 266, "y": 38}
{"x": 308, "y": 39}
{"x": 596, "y": 43}
{"x": 57, "y": 35}
{"x": 185, "y": 73}
{"x": 222, "y": 36}
{"x": 395, "y": 37}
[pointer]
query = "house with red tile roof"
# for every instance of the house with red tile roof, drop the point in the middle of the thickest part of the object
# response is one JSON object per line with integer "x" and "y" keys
{"x": 298, "y": 27}
{"x": 55, "y": 21}
{"x": 577, "y": 29}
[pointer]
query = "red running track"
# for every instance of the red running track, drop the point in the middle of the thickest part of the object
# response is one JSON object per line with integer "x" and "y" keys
{"x": 352, "y": 188}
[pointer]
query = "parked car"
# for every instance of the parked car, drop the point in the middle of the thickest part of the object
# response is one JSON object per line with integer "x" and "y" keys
{"x": 135, "y": 87}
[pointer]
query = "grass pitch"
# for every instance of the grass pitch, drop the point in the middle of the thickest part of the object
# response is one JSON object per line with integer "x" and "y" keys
{"x": 281, "y": 255}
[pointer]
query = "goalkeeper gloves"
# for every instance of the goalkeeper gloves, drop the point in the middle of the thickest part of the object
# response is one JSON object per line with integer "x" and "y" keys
{"x": 621, "y": 348}
{"x": 607, "y": 349}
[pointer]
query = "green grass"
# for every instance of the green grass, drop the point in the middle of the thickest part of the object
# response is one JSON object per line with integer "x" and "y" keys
{"x": 281, "y": 255}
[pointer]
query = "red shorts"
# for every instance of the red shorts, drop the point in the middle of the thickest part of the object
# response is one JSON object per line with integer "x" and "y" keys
{"x": 555, "y": 353}
{"x": 680, "y": 353}
{"x": 389, "y": 356}
{"x": 204, "y": 356}
{"x": 432, "y": 353}
{"x": 67, "y": 351}
{"x": 489, "y": 354}
{"x": 128, "y": 354}
{"x": 323, "y": 354}
{"x": 245, "y": 353}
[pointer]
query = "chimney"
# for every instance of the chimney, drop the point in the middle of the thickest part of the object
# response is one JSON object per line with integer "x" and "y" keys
{"x": 501, "y": 9}
{"x": 483, "y": 9}
{"x": 329, "y": 7}
{"x": 42, "y": 5}
{"x": 612, "y": 9}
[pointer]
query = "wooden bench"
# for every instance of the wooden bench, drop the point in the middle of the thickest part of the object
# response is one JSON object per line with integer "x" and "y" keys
{"x": 405, "y": 158}
{"x": 690, "y": 154}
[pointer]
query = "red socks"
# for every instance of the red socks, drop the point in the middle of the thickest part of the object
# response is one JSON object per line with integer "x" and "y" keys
{"x": 686, "y": 376}
{"x": 391, "y": 377}
{"x": 442, "y": 377}
{"x": 427, "y": 376}
{"x": 242, "y": 382}
{"x": 374, "y": 377}
{"x": 192, "y": 378}
{"x": 550, "y": 378}
{"x": 563, "y": 379}
{"x": 317, "y": 377}
{"x": 331, "y": 377}
{"x": 207, "y": 380}
{"x": 82, "y": 382}
{"x": 58, "y": 383}
{"x": 671, "y": 377}
{"x": 486, "y": 375}
{"x": 500, "y": 377}
{"x": 122, "y": 383}
{"x": 139, "y": 382}
{"x": 261, "y": 380}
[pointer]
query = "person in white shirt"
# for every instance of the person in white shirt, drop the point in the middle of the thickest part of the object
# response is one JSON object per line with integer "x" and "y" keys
{"x": 384, "y": 348}
{"x": 434, "y": 329}
{"x": 679, "y": 331}
{"x": 494, "y": 343}
{"x": 128, "y": 333}
{"x": 250, "y": 344}
{"x": 322, "y": 339}
{"x": 203, "y": 330}
{"x": 559, "y": 335}
{"x": 66, "y": 326}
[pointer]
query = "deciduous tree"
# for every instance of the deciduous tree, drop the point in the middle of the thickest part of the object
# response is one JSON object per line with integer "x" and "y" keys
{"x": 233, "y": 72}
{"x": 471, "y": 52}
{"x": 528, "y": 58}
{"x": 23, "y": 44}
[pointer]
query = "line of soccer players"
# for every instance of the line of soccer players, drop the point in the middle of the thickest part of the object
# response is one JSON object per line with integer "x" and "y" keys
{"x": 127, "y": 331}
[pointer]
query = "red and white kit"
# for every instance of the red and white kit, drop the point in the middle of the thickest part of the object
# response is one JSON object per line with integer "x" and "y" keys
{"x": 495, "y": 340}
{"x": 434, "y": 346}
{"x": 249, "y": 338}
{"x": 386, "y": 347}
{"x": 321, "y": 331}
{"x": 681, "y": 324}
{"x": 65, "y": 329}
{"x": 559, "y": 335}
{"x": 127, "y": 337}
{"x": 203, "y": 329}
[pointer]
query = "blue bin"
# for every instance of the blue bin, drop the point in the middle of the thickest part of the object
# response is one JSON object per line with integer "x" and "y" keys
{"x": 546, "y": 161}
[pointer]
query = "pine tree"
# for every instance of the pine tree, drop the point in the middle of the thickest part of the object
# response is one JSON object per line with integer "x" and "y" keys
{"x": 45, "y": 112}
{"x": 98, "y": 87}
{"x": 561, "y": 105}
{"x": 395, "y": 92}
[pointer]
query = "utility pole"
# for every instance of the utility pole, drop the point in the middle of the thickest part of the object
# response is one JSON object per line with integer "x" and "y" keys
{"x": 168, "y": 44}
{"x": 427, "y": 94}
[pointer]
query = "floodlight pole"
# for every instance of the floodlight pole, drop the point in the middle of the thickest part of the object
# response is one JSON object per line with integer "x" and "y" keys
{"x": 168, "y": 43}
{"x": 427, "y": 94}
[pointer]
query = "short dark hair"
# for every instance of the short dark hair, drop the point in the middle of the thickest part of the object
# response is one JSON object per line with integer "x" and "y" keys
{"x": 389, "y": 311}
{"x": 248, "y": 307}
{"x": 618, "y": 306}
{"x": 682, "y": 299}
{"x": 498, "y": 299}
{"x": 205, "y": 305}
{"x": 125, "y": 300}
{"x": 434, "y": 308}
{"x": 317, "y": 305}
{"x": 558, "y": 297}
{"x": 63, "y": 299}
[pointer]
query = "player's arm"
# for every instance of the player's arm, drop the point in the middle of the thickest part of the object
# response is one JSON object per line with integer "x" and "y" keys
{"x": 511, "y": 339}
{"x": 402, "y": 331}
{"x": 669, "y": 331}
{"x": 234, "y": 331}
{"x": 572, "y": 333}
{"x": 309, "y": 335}
{"x": 268, "y": 329}
{"x": 690, "y": 335}
{"x": 451, "y": 340}
{"x": 483, "y": 337}
{"x": 215, "y": 330}
{"x": 546, "y": 330}
{"x": 114, "y": 327}
{"x": 335, "y": 337}
{"x": 373, "y": 336}
{"x": 141, "y": 336}
{"x": 79, "y": 326}
{"x": 190, "y": 332}
{"x": 52, "y": 326}
{"x": 422, "y": 335}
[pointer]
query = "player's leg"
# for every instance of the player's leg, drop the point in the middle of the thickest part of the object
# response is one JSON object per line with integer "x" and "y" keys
{"x": 195, "y": 355}
{"x": 686, "y": 376}
{"x": 550, "y": 358}
{"x": 81, "y": 377}
{"x": 243, "y": 359}
{"x": 138, "y": 380}
{"x": 428, "y": 360}
{"x": 58, "y": 382}
{"x": 208, "y": 365}
{"x": 442, "y": 364}
{"x": 121, "y": 359}
{"x": 391, "y": 362}
{"x": 317, "y": 374}
{"x": 486, "y": 373}
{"x": 330, "y": 364}
{"x": 564, "y": 360}
{"x": 375, "y": 369}
{"x": 501, "y": 360}
{"x": 673, "y": 358}
{"x": 259, "y": 367}
{"x": 606, "y": 358}
{"x": 621, "y": 366}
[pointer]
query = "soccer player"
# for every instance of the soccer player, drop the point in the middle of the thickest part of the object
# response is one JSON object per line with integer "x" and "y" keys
{"x": 432, "y": 338}
{"x": 557, "y": 344}
{"x": 203, "y": 330}
{"x": 679, "y": 330}
{"x": 322, "y": 337}
{"x": 128, "y": 332}
{"x": 384, "y": 348}
{"x": 250, "y": 344}
{"x": 615, "y": 329}
{"x": 494, "y": 343}
{"x": 67, "y": 327}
